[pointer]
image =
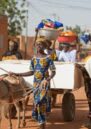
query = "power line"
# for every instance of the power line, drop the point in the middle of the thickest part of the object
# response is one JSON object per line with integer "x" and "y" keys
{"x": 37, "y": 10}
{"x": 65, "y": 5}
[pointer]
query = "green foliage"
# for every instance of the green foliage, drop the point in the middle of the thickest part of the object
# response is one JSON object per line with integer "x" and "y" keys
{"x": 75, "y": 29}
{"x": 16, "y": 13}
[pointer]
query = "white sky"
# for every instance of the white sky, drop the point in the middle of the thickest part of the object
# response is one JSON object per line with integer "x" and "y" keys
{"x": 69, "y": 12}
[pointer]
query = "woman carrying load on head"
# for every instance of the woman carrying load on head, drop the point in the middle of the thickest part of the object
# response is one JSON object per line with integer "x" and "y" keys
{"x": 39, "y": 66}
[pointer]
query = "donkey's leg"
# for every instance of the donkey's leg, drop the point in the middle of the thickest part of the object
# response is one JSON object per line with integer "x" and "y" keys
{"x": 0, "y": 116}
{"x": 26, "y": 100}
{"x": 23, "y": 117}
{"x": 18, "y": 113}
{"x": 9, "y": 117}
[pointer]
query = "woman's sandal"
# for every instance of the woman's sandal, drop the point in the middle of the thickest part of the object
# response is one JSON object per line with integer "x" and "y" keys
{"x": 42, "y": 126}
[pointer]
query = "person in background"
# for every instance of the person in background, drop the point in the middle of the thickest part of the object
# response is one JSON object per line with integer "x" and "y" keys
{"x": 39, "y": 67}
{"x": 13, "y": 52}
{"x": 64, "y": 55}
{"x": 59, "y": 50}
{"x": 74, "y": 52}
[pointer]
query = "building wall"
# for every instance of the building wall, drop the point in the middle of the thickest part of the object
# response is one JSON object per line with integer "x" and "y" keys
{"x": 3, "y": 35}
{"x": 26, "y": 47}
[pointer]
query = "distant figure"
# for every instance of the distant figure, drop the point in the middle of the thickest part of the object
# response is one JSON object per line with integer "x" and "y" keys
{"x": 65, "y": 54}
{"x": 74, "y": 52}
{"x": 70, "y": 53}
{"x": 59, "y": 50}
{"x": 13, "y": 52}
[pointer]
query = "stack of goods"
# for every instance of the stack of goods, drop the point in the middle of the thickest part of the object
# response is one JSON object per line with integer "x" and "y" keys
{"x": 67, "y": 36}
{"x": 48, "y": 23}
{"x": 49, "y": 29}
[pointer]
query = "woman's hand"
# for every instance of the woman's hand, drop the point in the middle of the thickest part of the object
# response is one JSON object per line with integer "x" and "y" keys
{"x": 49, "y": 78}
{"x": 44, "y": 83}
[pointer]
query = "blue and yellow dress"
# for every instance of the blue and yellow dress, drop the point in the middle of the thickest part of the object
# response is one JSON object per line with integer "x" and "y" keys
{"x": 52, "y": 53}
{"x": 42, "y": 98}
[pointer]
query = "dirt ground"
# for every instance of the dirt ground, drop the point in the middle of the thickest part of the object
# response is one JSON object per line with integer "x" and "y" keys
{"x": 55, "y": 120}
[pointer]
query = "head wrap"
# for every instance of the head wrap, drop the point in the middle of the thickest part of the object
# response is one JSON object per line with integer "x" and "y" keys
{"x": 11, "y": 42}
{"x": 40, "y": 40}
{"x": 14, "y": 44}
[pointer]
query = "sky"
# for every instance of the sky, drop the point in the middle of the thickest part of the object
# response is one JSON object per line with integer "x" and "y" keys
{"x": 69, "y": 12}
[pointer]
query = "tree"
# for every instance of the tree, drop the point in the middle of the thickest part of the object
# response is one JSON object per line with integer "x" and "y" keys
{"x": 16, "y": 13}
{"x": 76, "y": 29}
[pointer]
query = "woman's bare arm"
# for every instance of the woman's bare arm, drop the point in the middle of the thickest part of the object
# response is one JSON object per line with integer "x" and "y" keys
{"x": 30, "y": 73}
{"x": 51, "y": 76}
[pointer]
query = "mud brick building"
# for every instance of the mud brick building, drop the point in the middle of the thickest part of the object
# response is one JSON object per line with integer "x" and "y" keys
{"x": 3, "y": 34}
{"x": 26, "y": 48}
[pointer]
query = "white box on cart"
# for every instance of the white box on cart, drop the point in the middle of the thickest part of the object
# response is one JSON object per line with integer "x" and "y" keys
{"x": 68, "y": 76}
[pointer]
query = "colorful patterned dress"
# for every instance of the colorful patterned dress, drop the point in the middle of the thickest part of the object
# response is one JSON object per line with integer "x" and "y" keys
{"x": 42, "y": 98}
{"x": 52, "y": 53}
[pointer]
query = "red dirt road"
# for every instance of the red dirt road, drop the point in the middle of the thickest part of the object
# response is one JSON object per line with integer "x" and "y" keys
{"x": 55, "y": 120}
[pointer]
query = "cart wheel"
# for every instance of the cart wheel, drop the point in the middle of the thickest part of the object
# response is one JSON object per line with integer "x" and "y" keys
{"x": 12, "y": 112}
{"x": 68, "y": 107}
